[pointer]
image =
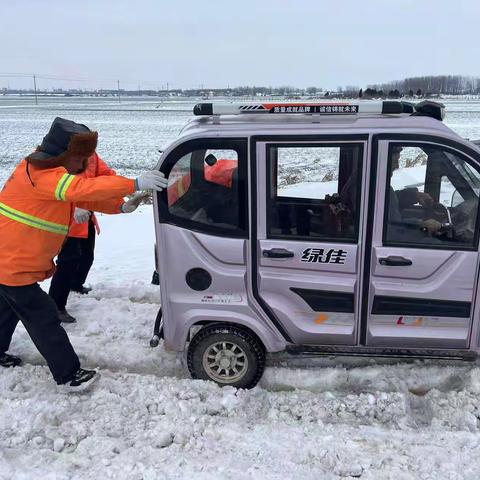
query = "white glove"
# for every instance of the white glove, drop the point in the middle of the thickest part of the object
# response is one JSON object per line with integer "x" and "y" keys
{"x": 151, "y": 180}
{"x": 81, "y": 216}
{"x": 133, "y": 202}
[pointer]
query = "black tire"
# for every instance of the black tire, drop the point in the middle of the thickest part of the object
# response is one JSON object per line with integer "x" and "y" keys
{"x": 207, "y": 339}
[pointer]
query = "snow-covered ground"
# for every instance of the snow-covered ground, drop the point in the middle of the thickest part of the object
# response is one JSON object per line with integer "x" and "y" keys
{"x": 146, "y": 419}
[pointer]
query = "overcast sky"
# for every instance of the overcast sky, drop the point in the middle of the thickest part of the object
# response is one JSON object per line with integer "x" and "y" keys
{"x": 187, "y": 43}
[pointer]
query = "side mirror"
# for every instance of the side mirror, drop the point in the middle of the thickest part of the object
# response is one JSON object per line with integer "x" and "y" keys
{"x": 211, "y": 159}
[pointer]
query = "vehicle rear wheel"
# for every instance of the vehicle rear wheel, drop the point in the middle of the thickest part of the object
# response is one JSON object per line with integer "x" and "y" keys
{"x": 226, "y": 354}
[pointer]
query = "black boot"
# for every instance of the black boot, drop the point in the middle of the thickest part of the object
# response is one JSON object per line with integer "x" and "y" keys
{"x": 81, "y": 380}
{"x": 65, "y": 317}
{"x": 7, "y": 360}
{"x": 82, "y": 290}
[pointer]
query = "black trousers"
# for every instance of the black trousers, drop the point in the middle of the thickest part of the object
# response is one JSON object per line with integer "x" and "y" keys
{"x": 73, "y": 264}
{"x": 39, "y": 315}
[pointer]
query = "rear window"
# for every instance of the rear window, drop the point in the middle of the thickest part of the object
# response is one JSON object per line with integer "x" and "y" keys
{"x": 207, "y": 190}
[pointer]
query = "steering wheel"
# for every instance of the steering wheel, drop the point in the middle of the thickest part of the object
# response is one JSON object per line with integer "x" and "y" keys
{"x": 438, "y": 212}
{"x": 441, "y": 213}
{"x": 464, "y": 218}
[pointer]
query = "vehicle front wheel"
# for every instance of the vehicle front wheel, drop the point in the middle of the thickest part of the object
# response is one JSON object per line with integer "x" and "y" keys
{"x": 226, "y": 354}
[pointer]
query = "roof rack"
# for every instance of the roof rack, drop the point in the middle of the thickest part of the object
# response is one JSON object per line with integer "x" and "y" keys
{"x": 388, "y": 107}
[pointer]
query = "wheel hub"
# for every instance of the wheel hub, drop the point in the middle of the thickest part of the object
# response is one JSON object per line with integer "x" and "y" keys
{"x": 225, "y": 362}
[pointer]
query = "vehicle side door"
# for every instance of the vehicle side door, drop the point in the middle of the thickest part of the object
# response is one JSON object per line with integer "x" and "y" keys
{"x": 305, "y": 235}
{"x": 422, "y": 274}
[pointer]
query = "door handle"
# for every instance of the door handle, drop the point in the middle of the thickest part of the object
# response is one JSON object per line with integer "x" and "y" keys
{"x": 277, "y": 253}
{"x": 395, "y": 261}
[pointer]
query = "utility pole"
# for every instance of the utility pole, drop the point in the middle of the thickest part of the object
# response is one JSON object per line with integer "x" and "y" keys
{"x": 35, "y": 89}
{"x": 118, "y": 88}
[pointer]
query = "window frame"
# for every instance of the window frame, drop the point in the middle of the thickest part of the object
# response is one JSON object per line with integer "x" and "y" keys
{"x": 271, "y": 197}
{"x": 419, "y": 142}
{"x": 238, "y": 144}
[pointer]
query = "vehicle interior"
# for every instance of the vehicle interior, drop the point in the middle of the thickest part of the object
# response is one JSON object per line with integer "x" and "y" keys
{"x": 453, "y": 185}
{"x": 211, "y": 195}
{"x": 332, "y": 215}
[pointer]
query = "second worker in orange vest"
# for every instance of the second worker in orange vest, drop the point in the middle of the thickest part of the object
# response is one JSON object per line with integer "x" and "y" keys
{"x": 76, "y": 256}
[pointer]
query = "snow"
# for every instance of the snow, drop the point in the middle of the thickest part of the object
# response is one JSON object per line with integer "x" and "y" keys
{"x": 146, "y": 419}
{"x": 313, "y": 190}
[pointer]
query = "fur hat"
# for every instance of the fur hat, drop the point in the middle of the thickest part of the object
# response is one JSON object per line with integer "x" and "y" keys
{"x": 65, "y": 138}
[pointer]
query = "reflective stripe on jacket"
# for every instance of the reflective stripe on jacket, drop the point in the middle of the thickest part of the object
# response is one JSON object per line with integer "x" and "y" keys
{"x": 35, "y": 215}
{"x": 96, "y": 168}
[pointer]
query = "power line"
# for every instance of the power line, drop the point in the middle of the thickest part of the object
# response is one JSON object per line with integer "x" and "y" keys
{"x": 12, "y": 75}
{"x": 70, "y": 79}
{"x": 152, "y": 84}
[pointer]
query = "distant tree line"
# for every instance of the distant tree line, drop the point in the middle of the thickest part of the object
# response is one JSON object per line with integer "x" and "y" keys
{"x": 428, "y": 85}
{"x": 245, "y": 91}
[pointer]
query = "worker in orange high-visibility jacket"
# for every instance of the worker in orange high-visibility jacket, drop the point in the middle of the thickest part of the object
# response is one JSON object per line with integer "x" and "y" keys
{"x": 36, "y": 207}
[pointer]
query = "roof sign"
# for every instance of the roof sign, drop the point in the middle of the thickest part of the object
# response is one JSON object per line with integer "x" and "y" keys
{"x": 427, "y": 108}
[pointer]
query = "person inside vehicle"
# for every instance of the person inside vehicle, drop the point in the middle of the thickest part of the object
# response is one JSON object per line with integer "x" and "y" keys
{"x": 402, "y": 227}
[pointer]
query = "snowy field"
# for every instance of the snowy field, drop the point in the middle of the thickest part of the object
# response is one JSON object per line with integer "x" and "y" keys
{"x": 146, "y": 419}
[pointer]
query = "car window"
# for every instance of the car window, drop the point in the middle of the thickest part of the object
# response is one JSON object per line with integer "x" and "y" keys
{"x": 206, "y": 190}
{"x": 432, "y": 197}
{"x": 314, "y": 191}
